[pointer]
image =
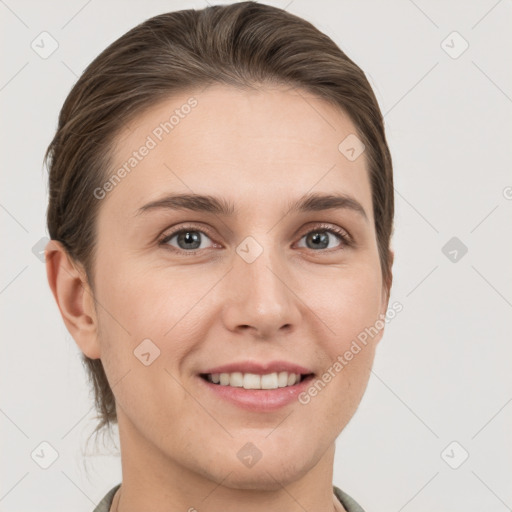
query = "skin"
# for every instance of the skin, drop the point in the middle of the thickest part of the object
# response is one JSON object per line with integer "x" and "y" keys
{"x": 259, "y": 149}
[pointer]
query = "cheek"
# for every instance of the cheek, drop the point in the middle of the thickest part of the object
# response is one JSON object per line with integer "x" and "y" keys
{"x": 141, "y": 300}
{"x": 142, "y": 325}
{"x": 348, "y": 305}
{"x": 350, "y": 308}
{"x": 141, "y": 304}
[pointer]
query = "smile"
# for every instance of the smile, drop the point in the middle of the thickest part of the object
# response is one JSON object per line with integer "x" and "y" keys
{"x": 254, "y": 381}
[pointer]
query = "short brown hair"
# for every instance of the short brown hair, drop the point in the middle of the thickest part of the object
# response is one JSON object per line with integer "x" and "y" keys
{"x": 241, "y": 45}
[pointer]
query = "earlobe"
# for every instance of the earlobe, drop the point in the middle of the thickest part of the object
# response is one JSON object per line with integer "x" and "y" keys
{"x": 391, "y": 259}
{"x": 74, "y": 298}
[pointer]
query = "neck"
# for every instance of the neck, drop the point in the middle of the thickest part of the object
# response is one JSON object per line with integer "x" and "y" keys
{"x": 153, "y": 481}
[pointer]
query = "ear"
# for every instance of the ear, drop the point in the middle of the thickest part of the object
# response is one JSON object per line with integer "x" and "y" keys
{"x": 74, "y": 298}
{"x": 386, "y": 290}
{"x": 386, "y": 285}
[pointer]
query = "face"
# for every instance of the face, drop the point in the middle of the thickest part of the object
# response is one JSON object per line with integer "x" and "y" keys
{"x": 255, "y": 289}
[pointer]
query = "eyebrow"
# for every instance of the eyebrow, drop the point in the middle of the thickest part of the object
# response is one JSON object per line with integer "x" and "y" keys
{"x": 221, "y": 206}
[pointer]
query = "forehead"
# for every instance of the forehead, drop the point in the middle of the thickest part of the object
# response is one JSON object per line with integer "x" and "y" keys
{"x": 256, "y": 146}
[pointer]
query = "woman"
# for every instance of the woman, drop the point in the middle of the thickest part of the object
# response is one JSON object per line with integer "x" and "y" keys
{"x": 232, "y": 365}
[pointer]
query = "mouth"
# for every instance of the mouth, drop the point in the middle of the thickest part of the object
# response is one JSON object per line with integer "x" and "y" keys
{"x": 256, "y": 386}
{"x": 255, "y": 381}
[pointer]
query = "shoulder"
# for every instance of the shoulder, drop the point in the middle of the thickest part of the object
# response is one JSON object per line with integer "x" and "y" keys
{"x": 105, "y": 504}
{"x": 348, "y": 502}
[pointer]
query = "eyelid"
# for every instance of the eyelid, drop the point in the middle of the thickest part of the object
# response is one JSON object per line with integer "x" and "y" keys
{"x": 322, "y": 226}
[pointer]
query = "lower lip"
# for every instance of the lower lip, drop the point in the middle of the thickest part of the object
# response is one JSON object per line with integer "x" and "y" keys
{"x": 259, "y": 400}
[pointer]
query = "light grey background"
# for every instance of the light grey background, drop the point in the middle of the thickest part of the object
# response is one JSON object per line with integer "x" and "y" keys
{"x": 442, "y": 371}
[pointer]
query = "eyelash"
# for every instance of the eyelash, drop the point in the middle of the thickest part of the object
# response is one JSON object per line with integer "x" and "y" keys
{"x": 346, "y": 240}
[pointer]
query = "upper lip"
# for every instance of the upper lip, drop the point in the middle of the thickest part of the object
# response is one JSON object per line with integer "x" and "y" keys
{"x": 260, "y": 368}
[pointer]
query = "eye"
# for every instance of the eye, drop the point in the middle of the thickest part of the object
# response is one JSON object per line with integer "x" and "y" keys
{"x": 187, "y": 239}
{"x": 190, "y": 239}
{"x": 320, "y": 237}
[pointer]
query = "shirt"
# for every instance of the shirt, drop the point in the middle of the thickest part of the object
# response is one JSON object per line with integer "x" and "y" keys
{"x": 349, "y": 503}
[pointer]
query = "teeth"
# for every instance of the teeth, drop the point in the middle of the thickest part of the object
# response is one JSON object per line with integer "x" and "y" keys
{"x": 235, "y": 379}
{"x": 251, "y": 381}
{"x": 282, "y": 379}
{"x": 254, "y": 381}
{"x": 269, "y": 381}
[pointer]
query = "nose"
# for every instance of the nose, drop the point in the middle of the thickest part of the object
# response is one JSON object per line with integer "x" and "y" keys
{"x": 261, "y": 297}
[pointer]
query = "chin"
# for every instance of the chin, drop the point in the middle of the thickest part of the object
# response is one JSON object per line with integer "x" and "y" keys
{"x": 268, "y": 477}
{"x": 280, "y": 467}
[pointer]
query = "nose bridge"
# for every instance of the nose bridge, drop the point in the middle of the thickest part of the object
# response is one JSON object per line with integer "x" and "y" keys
{"x": 262, "y": 298}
